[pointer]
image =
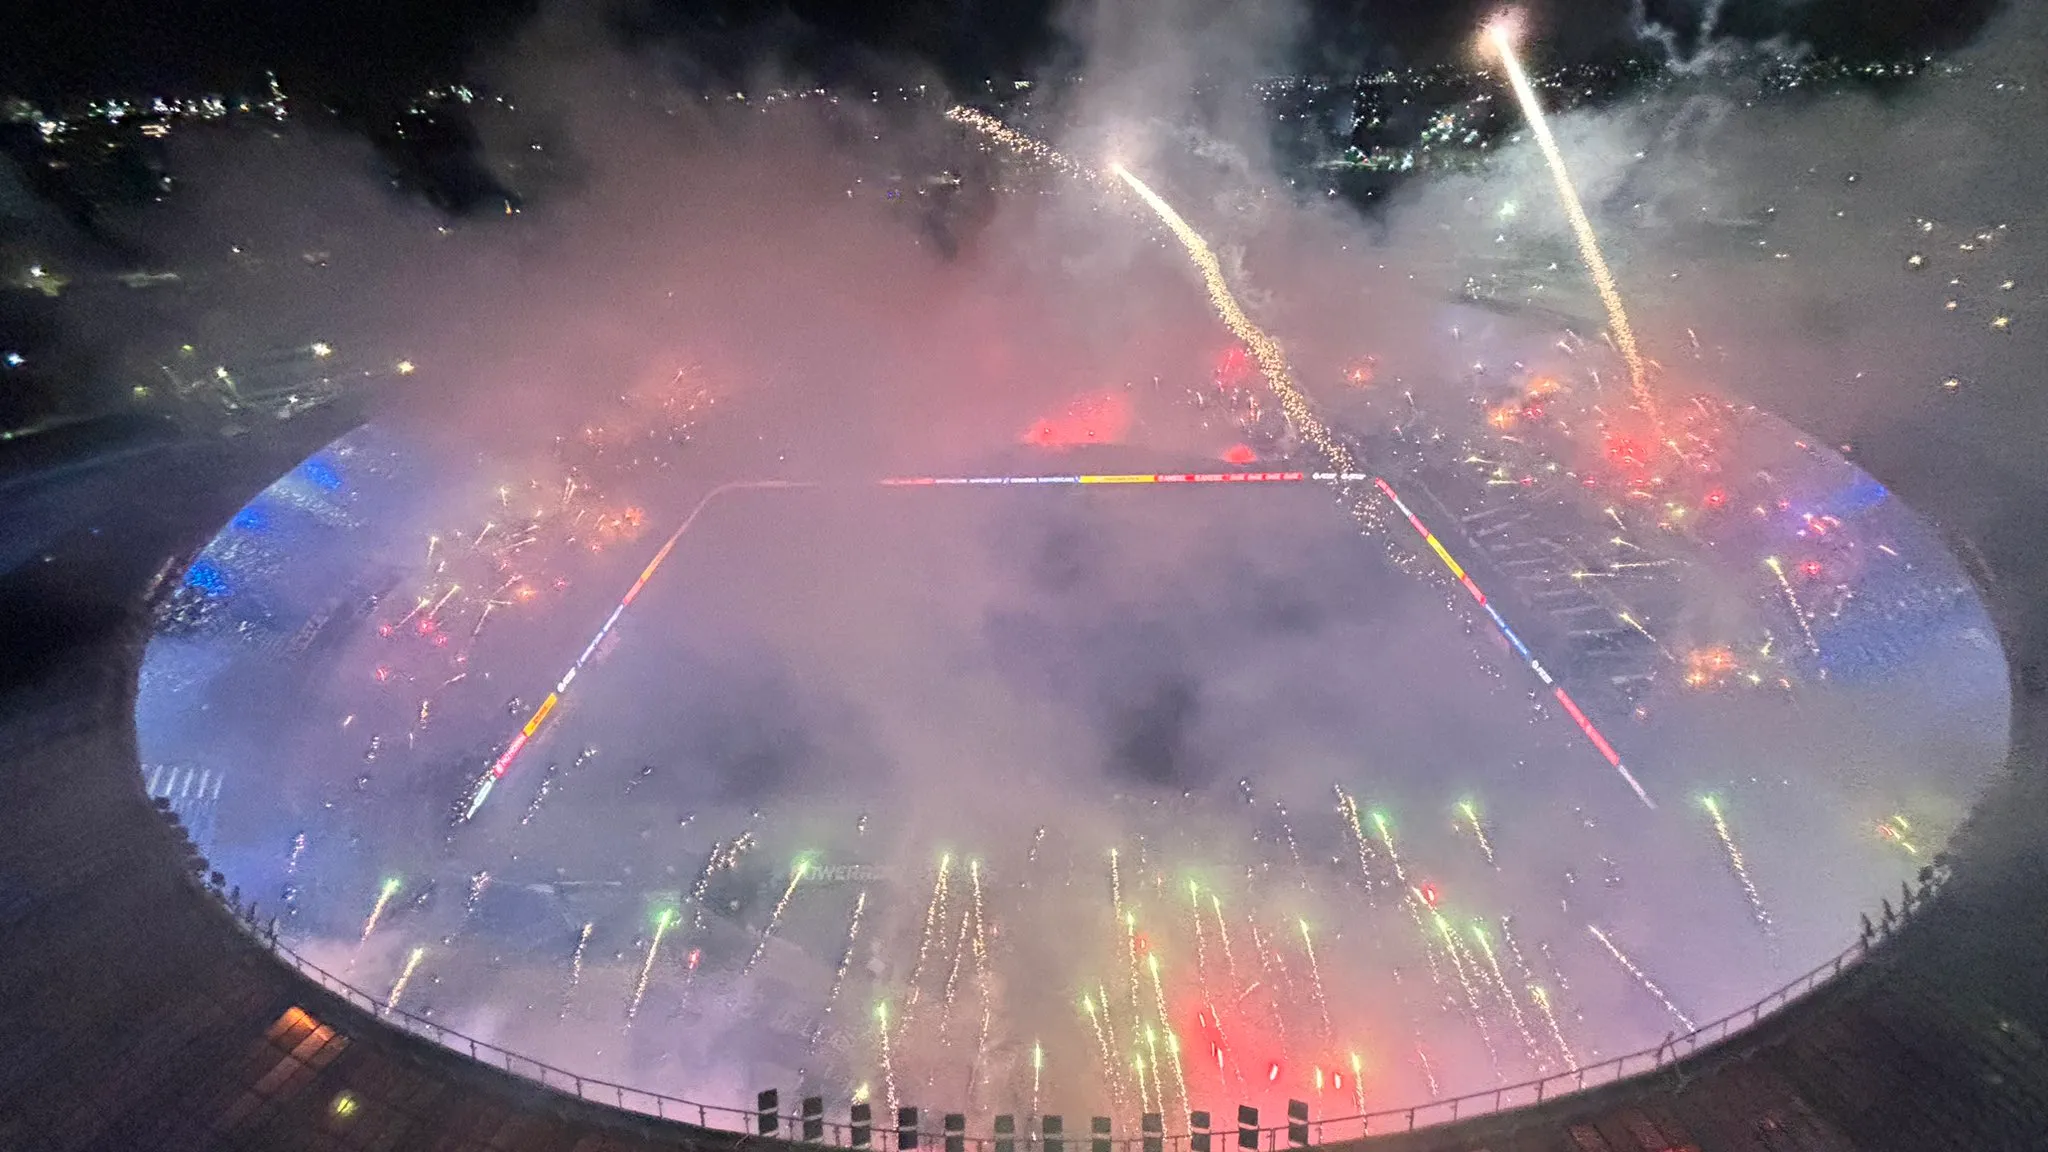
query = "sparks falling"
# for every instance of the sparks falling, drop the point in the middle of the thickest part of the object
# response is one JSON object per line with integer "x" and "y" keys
{"x": 1501, "y": 36}
{"x": 1648, "y": 984}
{"x": 774, "y": 918}
{"x": 404, "y": 978}
{"x": 1735, "y": 861}
{"x": 667, "y": 918}
{"x": 1266, "y": 352}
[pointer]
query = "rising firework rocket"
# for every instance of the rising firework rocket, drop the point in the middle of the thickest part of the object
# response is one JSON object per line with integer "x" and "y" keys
{"x": 1025, "y": 145}
{"x": 661, "y": 924}
{"x": 1471, "y": 815}
{"x": 1792, "y": 599}
{"x": 1358, "y": 1082}
{"x": 1109, "y": 1066}
{"x": 953, "y": 974}
{"x": 1450, "y": 939}
{"x": 1037, "y": 1074}
{"x": 1223, "y": 936}
{"x": 1266, "y": 352}
{"x": 576, "y": 966}
{"x": 860, "y": 904}
{"x": 404, "y": 978}
{"x": 384, "y": 896}
{"x": 888, "y": 1064}
{"x": 1648, "y": 984}
{"x": 1542, "y": 1000}
{"x": 1735, "y": 861}
{"x": 1348, "y": 809}
{"x": 1502, "y": 37}
{"x": 1500, "y": 981}
{"x": 1315, "y": 972}
{"x": 1379, "y": 821}
{"x": 796, "y": 874}
{"x": 981, "y": 972}
{"x": 924, "y": 942}
{"x": 1180, "y": 1078}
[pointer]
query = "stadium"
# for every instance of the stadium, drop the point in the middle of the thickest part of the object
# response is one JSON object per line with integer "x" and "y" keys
{"x": 1477, "y": 753}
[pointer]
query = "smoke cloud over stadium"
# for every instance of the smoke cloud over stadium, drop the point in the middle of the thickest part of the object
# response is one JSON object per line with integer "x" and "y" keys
{"x": 1110, "y": 798}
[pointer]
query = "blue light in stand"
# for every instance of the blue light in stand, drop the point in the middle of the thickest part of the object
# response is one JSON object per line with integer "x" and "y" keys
{"x": 251, "y": 519}
{"x": 205, "y": 576}
{"x": 320, "y": 474}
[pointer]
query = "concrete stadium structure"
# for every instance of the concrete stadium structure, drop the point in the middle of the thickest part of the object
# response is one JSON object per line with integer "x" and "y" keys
{"x": 136, "y": 1012}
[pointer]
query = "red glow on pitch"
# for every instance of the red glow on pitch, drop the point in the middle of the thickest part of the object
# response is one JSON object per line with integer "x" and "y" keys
{"x": 1626, "y": 452}
{"x": 1104, "y": 418}
{"x": 1715, "y": 499}
{"x": 1810, "y": 569}
{"x": 1240, "y": 454}
{"x": 1429, "y": 893}
{"x": 1235, "y": 368}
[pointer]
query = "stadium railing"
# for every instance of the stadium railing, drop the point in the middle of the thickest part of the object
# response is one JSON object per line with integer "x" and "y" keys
{"x": 1270, "y": 1138}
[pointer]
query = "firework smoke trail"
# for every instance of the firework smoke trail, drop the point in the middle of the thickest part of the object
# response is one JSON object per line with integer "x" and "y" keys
{"x": 1223, "y": 935}
{"x": 1379, "y": 821}
{"x": 703, "y": 886}
{"x": 404, "y": 978}
{"x": 1180, "y": 1077}
{"x": 1315, "y": 974}
{"x": 1542, "y": 999}
{"x": 924, "y": 942}
{"x": 1293, "y": 849}
{"x": 981, "y": 973}
{"x": 445, "y": 597}
{"x": 775, "y": 917}
{"x": 1648, "y": 984}
{"x": 1358, "y": 1082}
{"x": 667, "y": 918}
{"x": 860, "y": 905}
{"x": 1265, "y": 351}
{"x": 384, "y": 895}
{"x": 1735, "y": 860}
{"x": 1478, "y": 830}
{"x": 1109, "y": 1065}
{"x": 1582, "y": 227}
{"x": 1451, "y": 946}
{"x": 1348, "y": 809}
{"x": 1514, "y": 1002}
{"x": 1792, "y": 598}
{"x": 960, "y": 947}
{"x": 888, "y": 1062}
{"x": 1269, "y": 962}
{"x": 1037, "y": 1074}
{"x": 1131, "y": 963}
{"x": 1202, "y": 978}
{"x": 1158, "y": 1085}
{"x": 1632, "y": 622}
{"x": 576, "y": 967}
{"x": 1025, "y": 145}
